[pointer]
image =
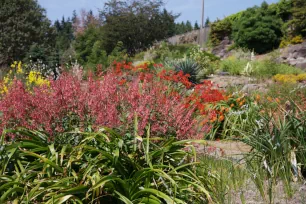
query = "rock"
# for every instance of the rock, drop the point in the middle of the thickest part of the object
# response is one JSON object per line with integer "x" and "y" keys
{"x": 222, "y": 49}
{"x": 253, "y": 87}
{"x": 301, "y": 65}
{"x": 294, "y": 55}
{"x": 188, "y": 38}
{"x": 223, "y": 73}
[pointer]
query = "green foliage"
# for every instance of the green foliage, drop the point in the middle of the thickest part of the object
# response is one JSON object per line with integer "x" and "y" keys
{"x": 241, "y": 117}
{"x": 276, "y": 144}
{"x": 229, "y": 177}
{"x": 299, "y": 17}
{"x": 64, "y": 35}
{"x": 102, "y": 167}
{"x": 196, "y": 26}
{"x": 260, "y": 68}
{"x": 22, "y": 24}
{"x": 181, "y": 28}
{"x": 88, "y": 45}
{"x": 135, "y": 23}
{"x": 268, "y": 68}
{"x": 258, "y": 30}
{"x": 119, "y": 54}
{"x": 206, "y": 61}
{"x": 187, "y": 66}
{"x": 219, "y": 30}
{"x": 283, "y": 9}
{"x": 207, "y": 22}
{"x": 233, "y": 65}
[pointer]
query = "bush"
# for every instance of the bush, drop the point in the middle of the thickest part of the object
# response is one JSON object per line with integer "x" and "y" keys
{"x": 112, "y": 101}
{"x": 233, "y": 65}
{"x": 268, "y": 68}
{"x": 219, "y": 30}
{"x": 207, "y": 61}
{"x": 289, "y": 78}
{"x": 295, "y": 40}
{"x": 258, "y": 30}
{"x": 103, "y": 167}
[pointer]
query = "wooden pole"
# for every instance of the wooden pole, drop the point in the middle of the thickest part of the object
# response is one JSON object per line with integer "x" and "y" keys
{"x": 201, "y": 36}
{"x": 202, "y": 13}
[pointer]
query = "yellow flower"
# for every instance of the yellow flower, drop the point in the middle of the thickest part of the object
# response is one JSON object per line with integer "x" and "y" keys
{"x": 35, "y": 78}
{"x": 19, "y": 68}
{"x": 6, "y": 80}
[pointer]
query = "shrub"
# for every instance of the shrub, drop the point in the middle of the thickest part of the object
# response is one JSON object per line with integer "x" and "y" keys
{"x": 219, "y": 30}
{"x": 207, "y": 61}
{"x": 112, "y": 101}
{"x": 258, "y": 30}
{"x": 289, "y": 78}
{"x": 295, "y": 40}
{"x": 103, "y": 167}
{"x": 268, "y": 68}
{"x": 233, "y": 65}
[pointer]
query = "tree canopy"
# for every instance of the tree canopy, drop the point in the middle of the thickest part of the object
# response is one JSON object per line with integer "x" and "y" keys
{"x": 136, "y": 23}
{"x": 23, "y": 23}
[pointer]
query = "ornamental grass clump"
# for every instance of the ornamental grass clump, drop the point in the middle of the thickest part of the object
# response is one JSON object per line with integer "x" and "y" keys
{"x": 278, "y": 151}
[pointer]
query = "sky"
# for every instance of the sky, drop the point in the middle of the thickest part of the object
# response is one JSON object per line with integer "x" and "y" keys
{"x": 189, "y": 9}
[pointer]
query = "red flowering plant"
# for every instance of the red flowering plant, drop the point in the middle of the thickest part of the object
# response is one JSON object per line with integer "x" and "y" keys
{"x": 163, "y": 100}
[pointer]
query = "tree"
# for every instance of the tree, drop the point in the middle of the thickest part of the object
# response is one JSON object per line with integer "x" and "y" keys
{"x": 23, "y": 23}
{"x": 196, "y": 26}
{"x": 299, "y": 17}
{"x": 64, "y": 34}
{"x": 284, "y": 9}
{"x": 258, "y": 30}
{"x": 188, "y": 26}
{"x": 207, "y": 22}
{"x": 136, "y": 23}
{"x": 88, "y": 42}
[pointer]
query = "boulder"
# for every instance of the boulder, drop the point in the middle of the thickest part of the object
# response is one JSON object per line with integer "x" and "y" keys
{"x": 222, "y": 49}
{"x": 301, "y": 65}
{"x": 294, "y": 55}
{"x": 254, "y": 87}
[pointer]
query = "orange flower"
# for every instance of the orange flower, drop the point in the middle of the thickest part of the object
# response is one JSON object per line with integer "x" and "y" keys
{"x": 232, "y": 105}
{"x": 221, "y": 118}
{"x": 123, "y": 81}
{"x": 227, "y": 110}
{"x": 257, "y": 97}
{"x": 269, "y": 99}
{"x": 213, "y": 120}
{"x": 238, "y": 100}
{"x": 241, "y": 104}
{"x": 277, "y": 100}
{"x": 222, "y": 109}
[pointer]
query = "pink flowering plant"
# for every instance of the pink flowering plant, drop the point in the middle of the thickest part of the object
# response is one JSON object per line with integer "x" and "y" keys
{"x": 113, "y": 100}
